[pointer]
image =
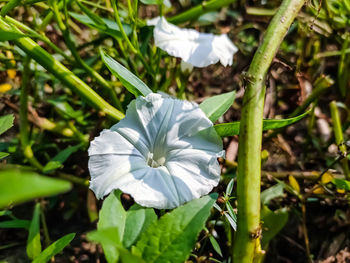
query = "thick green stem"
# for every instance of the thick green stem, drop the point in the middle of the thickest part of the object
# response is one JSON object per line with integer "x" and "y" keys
{"x": 56, "y": 68}
{"x": 247, "y": 239}
{"x": 199, "y": 10}
{"x": 339, "y": 139}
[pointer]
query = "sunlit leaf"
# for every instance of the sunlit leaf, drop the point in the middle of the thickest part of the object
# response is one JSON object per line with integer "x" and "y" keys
{"x": 55, "y": 248}
{"x": 342, "y": 184}
{"x": 215, "y": 245}
{"x": 110, "y": 27}
{"x": 33, "y": 242}
{"x": 8, "y": 35}
{"x": 132, "y": 83}
{"x": 271, "y": 193}
{"x": 6, "y": 122}
{"x": 3, "y": 155}
{"x": 19, "y": 186}
{"x": 232, "y": 128}
{"x": 60, "y": 158}
{"x": 174, "y": 234}
{"x": 216, "y": 106}
{"x": 138, "y": 220}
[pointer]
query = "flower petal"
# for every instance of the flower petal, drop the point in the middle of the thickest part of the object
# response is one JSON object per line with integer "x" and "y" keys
{"x": 174, "y": 137}
{"x": 198, "y": 49}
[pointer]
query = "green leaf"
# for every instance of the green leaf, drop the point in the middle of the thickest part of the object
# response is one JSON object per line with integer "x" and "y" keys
{"x": 19, "y": 186}
{"x": 110, "y": 27}
{"x": 171, "y": 238}
{"x": 95, "y": 18}
{"x": 216, "y": 106}
{"x": 232, "y": 128}
{"x": 112, "y": 247}
{"x": 6, "y": 122}
{"x": 132, "y": 83}
{"x": 273, "y": 223}
{"x": 113, "y": 214}
{"x": 137, "y": 221}
{"x": 33, "y": 242}
{"x": 151, "y": 2}
{"x": 215, "y": 245}
{"x": 17, "y": 223}
{"x": 341, "y": 184}
{"x": 3, "y": 155}
{"x": 7, "y": 35}
{"x": 109, "y": 239}
{"x": 271, "y": 193}
{"x": 55, "y": 248}
{"x": 60, "y": 158}
{"x": 66, "y": 110}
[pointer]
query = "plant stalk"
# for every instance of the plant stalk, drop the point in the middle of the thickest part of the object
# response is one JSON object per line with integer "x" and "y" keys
{"x": 247, "y": 238}
{"x": 56, "y": 68}
{"x": 339, "y": 139}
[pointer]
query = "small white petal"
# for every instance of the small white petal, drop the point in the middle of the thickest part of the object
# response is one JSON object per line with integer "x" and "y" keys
{"x": 163, "y": 153}
{"x": 197, "y": 49}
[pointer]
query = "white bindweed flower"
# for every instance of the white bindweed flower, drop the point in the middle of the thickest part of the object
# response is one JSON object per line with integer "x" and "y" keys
{"x": 163, "y": 153}
{"x": 193, "y": 47}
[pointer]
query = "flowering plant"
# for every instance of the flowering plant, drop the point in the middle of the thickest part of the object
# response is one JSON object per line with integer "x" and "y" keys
{"x": 163, "y": 153}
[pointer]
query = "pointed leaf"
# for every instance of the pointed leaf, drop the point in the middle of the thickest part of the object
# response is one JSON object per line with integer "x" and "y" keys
{"x": 55, "y": 248}
{"x": 19, "y": 186}
{"x": 215, "y": 245}
{"x": 216, "y": 106}
{"x": 342, "y": 184}
{"x": 132, "y": 83}
{"x": 137, "y": 221}
{"x": 112, "y": 214}
{"x": 109, "y": 239}
{"x": 60, "y": 158}
{"x": 7, "y": 35}
{"x": 3, "y": 155}
{"x": 112, "y": 27}
{"x": 271, "y": 193}
{"x": 273, "y": 223}
{"x": 171, "y": 238}
{"x": 6, "y": 122}
{"x": 33, "y": 242}
{"x": 232, "y": 128}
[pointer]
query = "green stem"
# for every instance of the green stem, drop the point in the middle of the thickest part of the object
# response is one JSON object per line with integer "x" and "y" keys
{"x": 48, "y": 62}
{"x": 339, "y": 140}
{"x": 9, "y": 6}
{"x": 23, "y": 116}
{"x": 117, "y": 19}
{"x": 199, "y": 10}
{"x": 43, "y": 38}
{"x": 247, "y": 239}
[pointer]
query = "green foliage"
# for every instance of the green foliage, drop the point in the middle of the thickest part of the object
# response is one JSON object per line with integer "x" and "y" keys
{"x": 341, "y": 184}
{"x": 55, "y": 248}
{"x": 57, "y": 161}
{"x": 171, "y": 238}
{"x": 272, "y": 192}
{"x": 273, "y": 223}
{"x": 6, "y": 122}
{"x": 19, "y": 186}
{"x": 132, "y": 83}
{"x": 137, "y": 221}
{"x": 214, "y": 107}
{"x": 232, "y": 128}
{"x": 8, "y": 35}
{"x": 33, "y": 242}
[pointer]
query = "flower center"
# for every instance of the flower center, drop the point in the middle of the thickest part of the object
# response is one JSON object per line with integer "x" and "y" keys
{"x": 155, "y": 162}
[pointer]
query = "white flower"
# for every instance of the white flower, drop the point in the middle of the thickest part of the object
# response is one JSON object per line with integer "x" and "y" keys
{"x": 163, "y": 153}
{"x": 198, "y": 49}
